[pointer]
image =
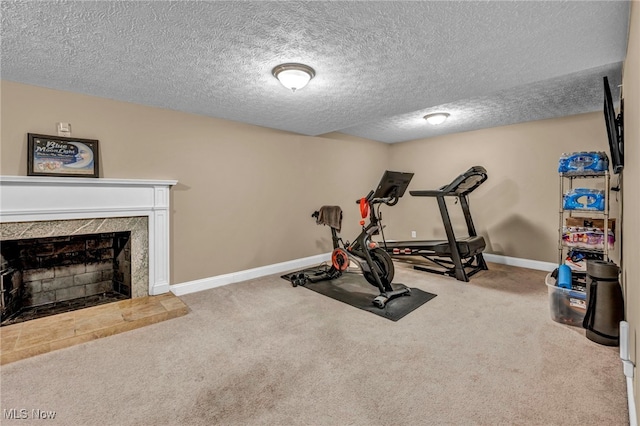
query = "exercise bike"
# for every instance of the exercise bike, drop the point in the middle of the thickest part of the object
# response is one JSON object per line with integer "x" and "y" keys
{"x": 374, "y": 262}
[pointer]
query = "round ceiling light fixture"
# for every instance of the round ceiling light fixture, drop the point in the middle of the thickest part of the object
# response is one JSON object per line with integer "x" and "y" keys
{"x": 293, "y": 76}
{"x": 436, "y": 118}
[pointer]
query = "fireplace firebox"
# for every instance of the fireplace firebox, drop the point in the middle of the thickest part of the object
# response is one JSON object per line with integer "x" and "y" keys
{"x": 46, "y": 276}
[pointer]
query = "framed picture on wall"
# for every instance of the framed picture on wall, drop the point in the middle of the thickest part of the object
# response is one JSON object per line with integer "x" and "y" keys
{"x": 61, "y": 156}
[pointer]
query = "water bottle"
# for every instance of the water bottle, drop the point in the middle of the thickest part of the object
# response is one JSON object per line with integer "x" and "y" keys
{"x": 564, "y": 277}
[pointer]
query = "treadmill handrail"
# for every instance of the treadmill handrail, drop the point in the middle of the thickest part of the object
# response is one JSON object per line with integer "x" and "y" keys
{"x": 428, "y": 193}
{"x": 452, "y": 188}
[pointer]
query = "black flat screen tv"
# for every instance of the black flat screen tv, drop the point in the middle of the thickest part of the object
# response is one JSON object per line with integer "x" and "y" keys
{"x": 615, "y": 132}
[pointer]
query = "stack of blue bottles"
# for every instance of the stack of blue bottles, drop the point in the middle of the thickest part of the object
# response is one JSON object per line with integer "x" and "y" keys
{"x": 584, "y": 199}
{"x": 583, "y": 162}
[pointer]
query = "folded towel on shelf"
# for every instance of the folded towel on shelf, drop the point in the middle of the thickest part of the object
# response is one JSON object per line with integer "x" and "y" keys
{"x": 331, "y": 216}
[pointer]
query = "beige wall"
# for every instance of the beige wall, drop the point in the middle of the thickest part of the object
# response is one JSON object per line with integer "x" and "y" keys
{"x": 631, "y": 207}
{"x": 516, "y": 209}
{"x": 245, "y": 193}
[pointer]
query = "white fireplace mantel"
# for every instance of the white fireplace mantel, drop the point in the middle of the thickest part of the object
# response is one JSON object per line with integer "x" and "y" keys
{"x": 29, "y": 199}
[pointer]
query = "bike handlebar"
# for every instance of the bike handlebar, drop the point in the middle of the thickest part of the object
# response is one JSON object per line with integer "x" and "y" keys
{"x": 368, "y": 197}
{"x": 386, "y": 200}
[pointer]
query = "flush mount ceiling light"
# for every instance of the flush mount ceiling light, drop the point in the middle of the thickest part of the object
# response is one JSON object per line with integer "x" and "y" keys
{"x": 293, "y": 76}
{"x": 436, "y": 118}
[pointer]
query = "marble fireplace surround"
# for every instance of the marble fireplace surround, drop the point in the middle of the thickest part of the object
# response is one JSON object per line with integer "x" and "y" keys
{"x": 37, "y": 207}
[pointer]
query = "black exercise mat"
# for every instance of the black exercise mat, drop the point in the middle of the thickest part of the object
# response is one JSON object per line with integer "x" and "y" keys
{"x": 354, "y": 290}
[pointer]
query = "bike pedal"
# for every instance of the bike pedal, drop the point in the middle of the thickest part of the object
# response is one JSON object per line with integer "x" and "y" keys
{"x": 299, "y": 279}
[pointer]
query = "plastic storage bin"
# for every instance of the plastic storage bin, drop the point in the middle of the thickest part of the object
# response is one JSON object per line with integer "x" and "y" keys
{"x": 566, "y": 306}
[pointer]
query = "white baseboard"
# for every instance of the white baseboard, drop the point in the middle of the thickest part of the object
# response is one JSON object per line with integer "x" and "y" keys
{"x": 633, "y": 416}
{"x": 292, "y": 265}
{"x": 521, "y": 263}
{"x": 248, "y": 274}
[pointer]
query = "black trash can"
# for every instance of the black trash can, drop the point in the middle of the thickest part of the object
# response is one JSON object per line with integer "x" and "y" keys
{"x": 605, "y": 305}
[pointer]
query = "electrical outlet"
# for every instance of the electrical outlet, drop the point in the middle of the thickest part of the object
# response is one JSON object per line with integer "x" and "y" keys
{"x": 414, "y": 234}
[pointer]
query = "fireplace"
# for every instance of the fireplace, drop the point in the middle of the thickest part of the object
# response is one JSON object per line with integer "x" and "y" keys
{"x": 47, "y": 276}
{"x": 53, "y": 218}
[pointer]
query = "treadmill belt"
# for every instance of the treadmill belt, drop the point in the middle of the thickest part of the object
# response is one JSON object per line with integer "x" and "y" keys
{"x": 467, "y": 247}
{"x": 354, "y": 290}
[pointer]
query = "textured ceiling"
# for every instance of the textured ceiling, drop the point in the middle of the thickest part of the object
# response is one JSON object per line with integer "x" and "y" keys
{"x": 380, "y": 66}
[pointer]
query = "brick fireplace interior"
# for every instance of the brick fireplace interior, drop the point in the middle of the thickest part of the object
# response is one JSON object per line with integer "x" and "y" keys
{"x": 47, "y": 276}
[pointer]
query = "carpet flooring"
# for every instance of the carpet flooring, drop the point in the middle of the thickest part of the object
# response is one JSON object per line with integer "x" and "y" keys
{"x": 262, "y": 352}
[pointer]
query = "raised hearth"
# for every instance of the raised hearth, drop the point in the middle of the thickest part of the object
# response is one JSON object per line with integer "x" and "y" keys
{"x": 42, "y": 335}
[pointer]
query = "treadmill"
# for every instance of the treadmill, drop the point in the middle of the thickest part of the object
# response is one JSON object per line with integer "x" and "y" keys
{"x": 457, "y": 257}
